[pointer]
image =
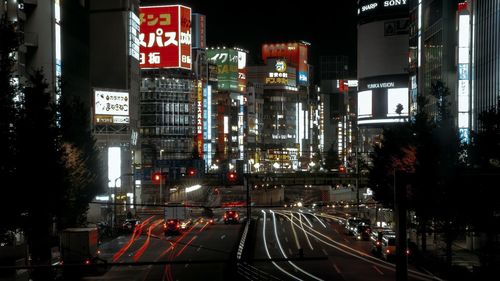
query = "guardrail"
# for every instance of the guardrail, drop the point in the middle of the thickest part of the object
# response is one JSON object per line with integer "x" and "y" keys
{"x": 242, "y": 240}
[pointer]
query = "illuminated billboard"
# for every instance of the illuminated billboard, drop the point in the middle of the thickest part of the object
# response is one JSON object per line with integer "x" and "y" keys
{"x": 294, "y": 53}
{"x": 165, "y": 37}
{"x": 199, "y": 118}
{"x": 111, "y": 107}
{"x": 227, "y": 68}
{"x": 375, "y": 9}
{"x": 383, "y": 99}
{"x": 280, "y": 75}
{"x": 242, "y": 71}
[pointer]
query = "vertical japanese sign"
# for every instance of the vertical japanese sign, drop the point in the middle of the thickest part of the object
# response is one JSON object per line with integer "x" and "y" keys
{"x": 464, "y": 96}
{"x": 165, "y": 37}
{"x": 242, "y": 71}
{"x": 199, "y": 119}
{"x": 185, "y": 31}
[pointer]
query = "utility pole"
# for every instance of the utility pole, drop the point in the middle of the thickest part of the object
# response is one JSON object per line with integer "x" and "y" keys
{"x": 400, "y": 218}
{"x": 247, "y": 186}
{"x": 357, "y": 182}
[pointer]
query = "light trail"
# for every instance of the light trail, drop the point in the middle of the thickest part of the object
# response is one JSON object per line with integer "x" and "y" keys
{"x": 363, "y": 256}
{"x": 145, "y": 245}
{"x": 135, "y": 235}
{"x": 284, "y": 255}
{"x": 267, "y": 250}
{"x": 294, "y": 233}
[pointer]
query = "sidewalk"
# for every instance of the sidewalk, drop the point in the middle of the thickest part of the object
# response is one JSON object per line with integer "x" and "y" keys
{"x": 464, "y": 262}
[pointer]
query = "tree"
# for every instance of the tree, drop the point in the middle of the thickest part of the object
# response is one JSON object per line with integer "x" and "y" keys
{"x": 428, "y": 147}
{"x": 332, "y": 159}
{"x": 83, "y": 172}
{"x": 9, "y": 41}
{"x": 39, "y": 167}
{"x": 483, "y": 176}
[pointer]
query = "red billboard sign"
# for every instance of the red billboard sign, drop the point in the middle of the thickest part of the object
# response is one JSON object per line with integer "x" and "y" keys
{"x": 165, "y": 37}
{"x": 294, "y": 53}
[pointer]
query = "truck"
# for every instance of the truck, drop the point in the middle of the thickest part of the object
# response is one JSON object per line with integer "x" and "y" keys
{"x": 176, "y": 218}
{"x": 79, "y": 245}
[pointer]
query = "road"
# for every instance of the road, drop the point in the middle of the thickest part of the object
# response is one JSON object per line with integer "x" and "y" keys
{"x": 281, "y": 233}
{"x": 192, "y": 250}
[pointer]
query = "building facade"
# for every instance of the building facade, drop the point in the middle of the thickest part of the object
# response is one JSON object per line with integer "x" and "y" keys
{"x": 382, "y": 68}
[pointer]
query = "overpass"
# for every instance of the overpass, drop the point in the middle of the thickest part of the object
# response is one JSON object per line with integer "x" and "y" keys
{"x": 278, "y": 179}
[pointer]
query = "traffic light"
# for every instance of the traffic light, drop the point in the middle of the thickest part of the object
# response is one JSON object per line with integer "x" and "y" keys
{"x": 159, "y": 177}
{"x": 191, "y": 172}
{"x": 342, "y": 169}
{"x": 232, "y": 177}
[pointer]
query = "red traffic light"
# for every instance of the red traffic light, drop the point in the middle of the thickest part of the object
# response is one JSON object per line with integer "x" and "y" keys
{"x": 158, "y": 177}
{"x": 231, "y": 176}
{"x": 342, "y": 169}
{"x": 191, "y": 172}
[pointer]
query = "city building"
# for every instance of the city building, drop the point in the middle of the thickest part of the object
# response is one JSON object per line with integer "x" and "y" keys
{"x": 114, "y": 82}
{"x": 382, "y": 68}
{"x": 286, "y": 112}
{"x": 338, "y": 103}
{"x": 230, "y": 107}
{"x": 171, "y": 99}
{"x": 36, "y": 21}
{"x": 471, "y": 75}
{"x": 485, "y": 52}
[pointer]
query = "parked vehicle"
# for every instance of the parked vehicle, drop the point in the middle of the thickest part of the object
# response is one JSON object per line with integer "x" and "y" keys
{"x": 79, "y": 246}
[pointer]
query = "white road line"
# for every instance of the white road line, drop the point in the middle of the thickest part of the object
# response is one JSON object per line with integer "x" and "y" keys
{"x": 290, "y": 251}
{"x": 325, "y": 252}
{"x": 286, "y": 239}
{"x": 337, "y": 268}
{"x": 378, "y": 270}
{"x": 199, "y": 248}
{"x": 223, "y": 236}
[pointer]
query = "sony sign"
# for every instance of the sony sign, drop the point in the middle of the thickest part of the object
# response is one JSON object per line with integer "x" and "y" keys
{"x": 392, "y": 3}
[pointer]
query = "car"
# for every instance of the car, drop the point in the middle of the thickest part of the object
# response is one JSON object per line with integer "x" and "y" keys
{"x": 388, "y": 247}
{"x": 185, "y": 224}
{"x": 376, "y": 238}
{"x": 130, "y": 224}
{"x": 362, "y": 232}
{"x": 231, "y": 217}
{"x": 172, "y": 226}
{"x": 352, "y": 223}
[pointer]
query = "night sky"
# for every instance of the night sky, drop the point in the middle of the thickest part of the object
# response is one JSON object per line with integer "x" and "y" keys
{"x": 330, "y": 26}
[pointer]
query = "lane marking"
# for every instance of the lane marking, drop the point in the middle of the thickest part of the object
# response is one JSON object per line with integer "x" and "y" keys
{"x": 286, "y": 240}
{"x": 378, "y": 270}
{"x": 324, "y": 252}
{"x": 337, "y": 268}
{"x": 290, "y": 251}
{"x": 223, "y": 236}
